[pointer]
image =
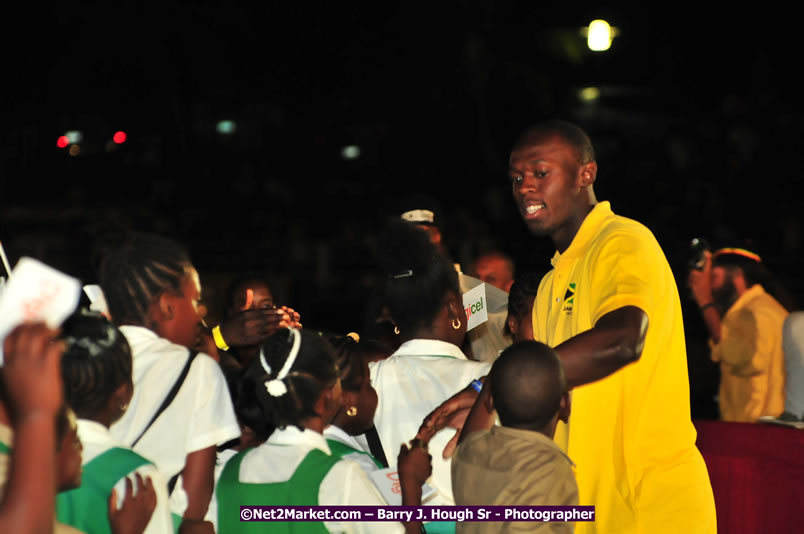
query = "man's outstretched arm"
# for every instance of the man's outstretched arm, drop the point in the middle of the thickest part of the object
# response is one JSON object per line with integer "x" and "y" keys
{"x": 616, "y": 340}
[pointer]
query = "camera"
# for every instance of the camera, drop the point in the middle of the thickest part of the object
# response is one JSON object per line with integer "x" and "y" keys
{"x": 699, "y": 246}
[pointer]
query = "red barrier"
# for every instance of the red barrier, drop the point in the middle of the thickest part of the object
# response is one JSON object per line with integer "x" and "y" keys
{"x": 757, "y": 475}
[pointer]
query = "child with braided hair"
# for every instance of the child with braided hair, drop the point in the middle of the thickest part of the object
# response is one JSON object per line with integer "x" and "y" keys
{"x": 96, "y": 369}
{"x": 180, "y": 410}
{"x": 293, "y": 388}
{"x": 358, "y": 404}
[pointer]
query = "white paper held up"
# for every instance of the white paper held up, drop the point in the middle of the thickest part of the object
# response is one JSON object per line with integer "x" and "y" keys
{"x": 36, "y": 292}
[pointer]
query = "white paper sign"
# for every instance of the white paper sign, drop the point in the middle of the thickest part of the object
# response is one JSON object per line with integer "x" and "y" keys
{"x": 36, "y": 292}
{"x": 387, "y": 481}
{"x": 475, "y": 305}
{"x": 96, "y": 299}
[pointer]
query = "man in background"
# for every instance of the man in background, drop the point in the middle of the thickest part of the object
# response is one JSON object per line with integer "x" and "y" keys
{"x": 745, "y": 332}
{"x": 494, "y": 268}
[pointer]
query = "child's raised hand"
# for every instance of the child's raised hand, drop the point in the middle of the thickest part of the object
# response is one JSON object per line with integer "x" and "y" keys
{"x": 415, "y": 463}
{"x": 32, "y": 370}
{"x": 135, "y": 513}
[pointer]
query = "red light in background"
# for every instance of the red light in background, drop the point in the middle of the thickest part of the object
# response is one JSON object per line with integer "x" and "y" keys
{"x": 119, "y": 137}
{"x": 62, "y": 141}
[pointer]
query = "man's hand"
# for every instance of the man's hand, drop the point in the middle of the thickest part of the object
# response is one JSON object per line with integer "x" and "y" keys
{"x": 451, "y": 413}
{"x": 252, "y": 327}
{"x": 294, "y": 317}
{"x": 32, "y": 370}
{"x": 700, "y": 282}
{"x": 135, "y": 513}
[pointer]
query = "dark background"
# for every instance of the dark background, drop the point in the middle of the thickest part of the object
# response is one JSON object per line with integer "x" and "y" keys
{"x": 697, "y": 128}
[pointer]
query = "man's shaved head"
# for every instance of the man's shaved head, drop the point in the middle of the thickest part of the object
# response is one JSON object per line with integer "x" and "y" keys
{"x": 568, "y": 132}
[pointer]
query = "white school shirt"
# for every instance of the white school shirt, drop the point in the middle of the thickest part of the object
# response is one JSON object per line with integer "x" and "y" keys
{"x": 200, "y": 416}
{"x": 346, "y": 484}
{"x": 220, "y": 462}
{"x": 96, "y": 440}
{"x": 366, "y": 463}
{"x": 410, "y": 384}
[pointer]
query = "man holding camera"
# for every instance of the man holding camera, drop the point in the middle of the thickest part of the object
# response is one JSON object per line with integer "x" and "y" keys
{"x": 745, "y": 329}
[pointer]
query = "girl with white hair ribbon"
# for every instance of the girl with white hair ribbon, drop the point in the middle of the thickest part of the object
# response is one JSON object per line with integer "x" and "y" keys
{"x": 288, "y": 395}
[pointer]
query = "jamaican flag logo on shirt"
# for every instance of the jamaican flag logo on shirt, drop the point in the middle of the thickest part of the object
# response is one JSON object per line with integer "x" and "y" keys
{"x": 569, "y": 296}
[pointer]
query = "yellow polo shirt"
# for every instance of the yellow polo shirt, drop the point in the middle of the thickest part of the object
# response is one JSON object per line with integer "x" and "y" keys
{"x": 630, "y": 434}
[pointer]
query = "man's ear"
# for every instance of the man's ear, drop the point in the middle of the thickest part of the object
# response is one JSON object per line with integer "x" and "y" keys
{"x": 564, "y": 407}
{"x": 738, "y": 279}
{"x": 588, "y": 173}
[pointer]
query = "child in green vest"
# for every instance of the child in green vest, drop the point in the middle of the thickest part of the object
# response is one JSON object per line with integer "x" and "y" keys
{"x": 356, "y": 416}
{"x": 35, "y": 389}
{"x": 294, "y": 388}
{"x": 96, "y": 369}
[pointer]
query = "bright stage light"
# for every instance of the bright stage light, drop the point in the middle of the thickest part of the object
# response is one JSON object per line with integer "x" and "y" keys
{"x": 599, "y": 36}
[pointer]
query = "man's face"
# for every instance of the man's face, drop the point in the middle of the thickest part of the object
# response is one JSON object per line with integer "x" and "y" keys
{"x": 545, "y": 177}
{"x": 494, "y": 271}
{"x": 724, "y": 292}
{"x": 432, "y": 231}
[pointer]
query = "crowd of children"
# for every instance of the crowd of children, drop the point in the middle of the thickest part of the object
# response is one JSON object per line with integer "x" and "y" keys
{"x": 152, "y": 422}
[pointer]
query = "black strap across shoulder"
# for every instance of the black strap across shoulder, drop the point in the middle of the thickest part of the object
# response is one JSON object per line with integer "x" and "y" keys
{"x": 170, "y": 396}
{"x": 375, "y": 446}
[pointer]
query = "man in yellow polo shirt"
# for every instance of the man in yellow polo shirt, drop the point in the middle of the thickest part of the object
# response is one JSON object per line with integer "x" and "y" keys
{"x": 610, "y": 308}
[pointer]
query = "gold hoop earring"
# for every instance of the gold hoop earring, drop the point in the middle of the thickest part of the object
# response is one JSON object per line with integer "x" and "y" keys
{"x": 351, "y": 411}
{"x": 396, "y": 330}
{"x": 456, "y": 323}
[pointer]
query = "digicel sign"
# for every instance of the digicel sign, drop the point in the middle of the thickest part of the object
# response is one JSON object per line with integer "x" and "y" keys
{"x": 474, "y": 308}
{"x": 474, "y": 304}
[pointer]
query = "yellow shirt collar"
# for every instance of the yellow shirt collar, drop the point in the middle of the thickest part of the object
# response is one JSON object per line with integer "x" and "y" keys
{"x": 586, "y": 232}
{"x": 750, "y": 294}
